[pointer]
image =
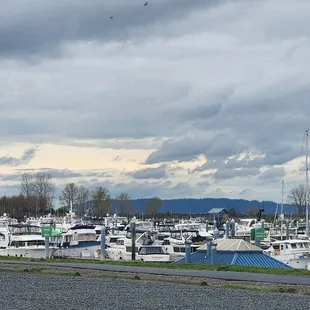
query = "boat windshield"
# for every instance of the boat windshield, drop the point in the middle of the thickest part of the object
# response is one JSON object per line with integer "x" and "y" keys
{"x": 151, "y": 250}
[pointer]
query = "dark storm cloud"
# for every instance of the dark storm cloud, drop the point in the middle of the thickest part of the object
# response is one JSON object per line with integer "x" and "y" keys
{"x": 40, "y": 27}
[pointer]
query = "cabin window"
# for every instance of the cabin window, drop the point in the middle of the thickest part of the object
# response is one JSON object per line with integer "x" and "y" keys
{"x": 176, "y": 236}
{"x": 151, "y": 250}
{"x": 294, "y": 245}
{"x": 128, "y": 249}
{"x": 176, "y": 249}
{"x": 35, "y": 243}
{"x": 84, "y": 237}
{"x": 18, "y": 243}
{"x": 306, "y": 245}
{"x": 276, "y": 246}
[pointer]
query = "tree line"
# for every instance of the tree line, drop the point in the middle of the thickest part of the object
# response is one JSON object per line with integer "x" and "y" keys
{"x": 37, "y": 198}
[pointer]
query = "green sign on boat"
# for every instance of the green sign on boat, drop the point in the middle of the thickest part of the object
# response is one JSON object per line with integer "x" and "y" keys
{"x": 46, "y": 231}
{"x": 56, "y": 232}
{"x": 258, "y": 233}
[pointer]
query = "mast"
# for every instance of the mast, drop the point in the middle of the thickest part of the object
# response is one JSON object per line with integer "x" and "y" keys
{"x": 275, "y": 216}
{"x": 307, "y": 186}
{"x": 282, "y": 215}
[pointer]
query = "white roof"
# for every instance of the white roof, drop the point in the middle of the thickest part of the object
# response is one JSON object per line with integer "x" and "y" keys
{"x": 235, "y": 245}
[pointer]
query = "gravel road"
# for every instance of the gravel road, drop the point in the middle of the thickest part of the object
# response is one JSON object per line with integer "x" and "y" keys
{"x": 33, "y": 291}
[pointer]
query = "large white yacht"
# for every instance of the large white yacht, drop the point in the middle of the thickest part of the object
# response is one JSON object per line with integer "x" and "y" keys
{"x": 26, "y": 241}
{"x": 294, "y": 252}
{"x": 80, "y": 241}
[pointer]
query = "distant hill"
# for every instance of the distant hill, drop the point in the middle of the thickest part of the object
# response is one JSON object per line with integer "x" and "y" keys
{"x": 203, "y": 205}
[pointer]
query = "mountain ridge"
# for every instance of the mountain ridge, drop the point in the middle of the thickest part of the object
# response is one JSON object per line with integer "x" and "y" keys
{"x": 203, "y": 205}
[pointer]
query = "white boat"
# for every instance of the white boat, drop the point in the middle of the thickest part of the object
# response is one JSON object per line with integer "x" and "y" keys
{"x": 33, "y": 221}
{"x": 244, "y": 227}
{"x": 294, "y": 252}
{"x": 175, "y": 243}
{"x": 79, "y": 241}
{"x": 26, "y": 241}
{"x": 152, "y": 253}
{"x": 192, "y": 225}
{"x": 141, "y": 226}
{"x": 5, "y": 221}
{"x": 48, "y": 220}
{"x": 146, "y": 249}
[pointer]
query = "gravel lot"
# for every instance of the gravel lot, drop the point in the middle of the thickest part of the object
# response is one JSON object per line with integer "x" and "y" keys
{"x": 34, "y": 291}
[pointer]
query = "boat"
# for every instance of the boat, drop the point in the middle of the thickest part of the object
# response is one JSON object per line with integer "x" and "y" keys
{"x": 175, "y": 243}
{"x": 293, "y": 252}
{"x": 146, "y": 249}
{"x": 26, "y": 241}
{"x": 80, "y": 241}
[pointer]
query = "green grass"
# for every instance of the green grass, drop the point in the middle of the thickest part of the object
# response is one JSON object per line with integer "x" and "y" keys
{"x": 233, "y": 268}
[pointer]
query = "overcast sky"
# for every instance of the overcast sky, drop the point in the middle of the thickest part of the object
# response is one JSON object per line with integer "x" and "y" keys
{"x": 175, "y": 99}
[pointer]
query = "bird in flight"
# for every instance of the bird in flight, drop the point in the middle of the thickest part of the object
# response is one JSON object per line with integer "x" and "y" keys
{"x": 146, "y": 3}
{"x": 111, "y": 17}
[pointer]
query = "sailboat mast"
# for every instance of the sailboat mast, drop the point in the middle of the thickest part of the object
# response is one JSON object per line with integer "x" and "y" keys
{"x": 307, "y": 186}
{"x": 282, "y": 199}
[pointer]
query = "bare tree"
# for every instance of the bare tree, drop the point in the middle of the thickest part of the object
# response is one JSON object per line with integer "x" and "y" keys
{"x": 297, "y": 198}
{"x": 27, "y": 184}
{"x": 69, "y": 195}
{"x": 153, "y": 206}
{"x": 43, "y": 189}
{"x": 82, "y": 198}
{"x": 15, "y": 206}
{"x": 39, "y": 190}
{"x": 124, "y": 204}
{"x": 101, "y": 201}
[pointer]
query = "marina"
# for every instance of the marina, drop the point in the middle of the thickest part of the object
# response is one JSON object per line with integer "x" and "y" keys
{"x": 178, "y": 241}
{"x": 155, "y": 155}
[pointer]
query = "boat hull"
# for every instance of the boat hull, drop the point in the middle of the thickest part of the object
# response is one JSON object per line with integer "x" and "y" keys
{"x": 29, "y": 252}
{"x": 84, "y": 250}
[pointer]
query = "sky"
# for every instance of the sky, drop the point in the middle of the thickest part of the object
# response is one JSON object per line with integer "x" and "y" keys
{"x": 174, "y": 99}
